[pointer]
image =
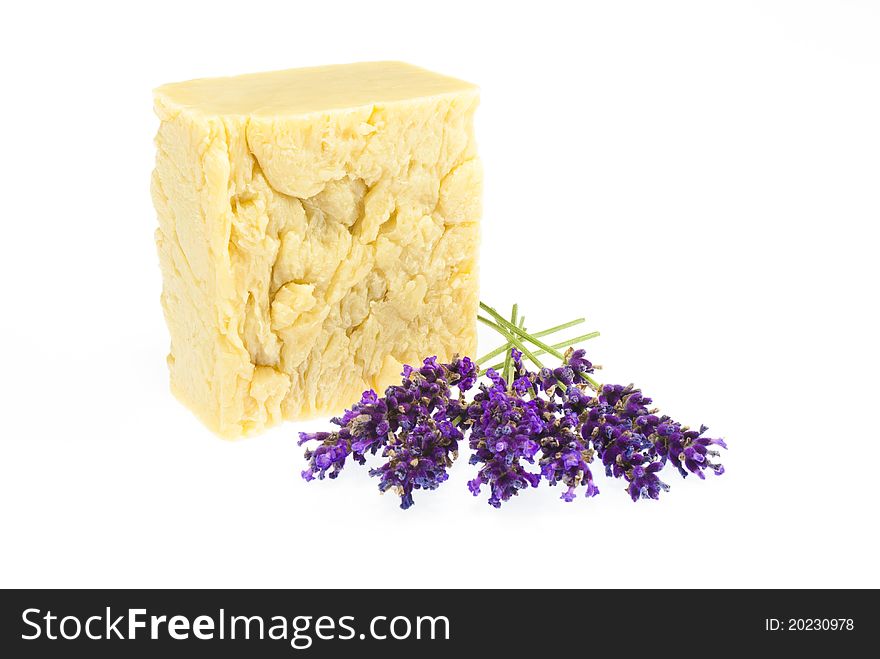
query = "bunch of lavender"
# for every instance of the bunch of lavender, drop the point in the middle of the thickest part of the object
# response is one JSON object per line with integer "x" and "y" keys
{"x": 413, "y": 426}
{"x": 559, "y": 417}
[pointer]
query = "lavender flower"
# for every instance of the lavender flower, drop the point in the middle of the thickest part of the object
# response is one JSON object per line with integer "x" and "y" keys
{"x": 418, "y": 460}
{"x": 618, "y": 423}
{"x": 566, "y": 454}
{"x": 505, "y": 430}
{"x": 424, "y": 438}
{"x": 634, "y": 443}
{"x": 413, "y": 425}
{"x": 580, "y": 366}
{"x": 687, "y": 449}
{"x": 463, "y": 373}
{"x": 326, "y": 460}
{"x": 565, "y": 460}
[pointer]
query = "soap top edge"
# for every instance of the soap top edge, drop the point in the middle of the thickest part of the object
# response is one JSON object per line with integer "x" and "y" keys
{"x": 308, "y": 91}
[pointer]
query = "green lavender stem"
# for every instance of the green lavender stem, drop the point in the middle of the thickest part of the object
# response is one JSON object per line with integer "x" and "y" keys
{"x": 513, "y": 315}
{"x": 522, "y": 326}
{"x": 592, "y": 382}
{"x": 511, "y": 339}
{"x": 561, "y": 344}
{"x": 513, "y": 329}
{"x": 552, "y": 330}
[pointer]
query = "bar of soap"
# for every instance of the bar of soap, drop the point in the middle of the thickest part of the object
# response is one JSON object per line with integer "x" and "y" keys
{"x": 318, "y": 228}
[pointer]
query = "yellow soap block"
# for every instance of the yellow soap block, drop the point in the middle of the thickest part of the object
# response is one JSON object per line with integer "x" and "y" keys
{"x": 318, "y": 228}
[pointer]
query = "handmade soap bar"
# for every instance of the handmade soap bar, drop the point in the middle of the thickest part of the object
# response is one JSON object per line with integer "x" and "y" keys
{"x": 317, "y": 228}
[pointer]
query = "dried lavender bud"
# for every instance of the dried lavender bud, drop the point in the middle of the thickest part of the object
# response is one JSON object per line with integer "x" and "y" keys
{"x": 328, "y": 457}
{"x": 547, "y": 380}
{"x": 463, "y": 373}
{"x": 579, "y": 364}
{"x": 564, "y": 374}
{"x": 687, "y": 449}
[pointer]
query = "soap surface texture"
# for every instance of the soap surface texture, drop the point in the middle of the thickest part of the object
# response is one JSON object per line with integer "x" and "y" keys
{"x": 318, "y": 228}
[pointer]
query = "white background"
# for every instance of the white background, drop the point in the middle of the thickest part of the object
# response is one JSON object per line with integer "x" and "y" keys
{"x": 699, "y": 178}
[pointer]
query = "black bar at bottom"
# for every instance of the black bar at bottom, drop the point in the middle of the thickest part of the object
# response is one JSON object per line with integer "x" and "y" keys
{"x": 515, "y": 623}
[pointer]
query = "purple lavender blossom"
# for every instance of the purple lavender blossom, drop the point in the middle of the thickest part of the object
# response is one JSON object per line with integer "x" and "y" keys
{"x": 423, "y": 418}
{"x": 362, "y": 428}
{"x": 505, "y": 431}
{"x": 566, "y": 460}
{"x": 463, "y": 373}
{"x": 618, "y": 424}
{"x": 634, "y": 443}
{"x": 556, "y": 427}
{"x": 687, "y": 449}
{"x": 579, "y": 364}
{"x": 566, "y": 454}
{"x": 418, "y": 460}
{"x": 413, "y": 425}
{"x": 328, "y": 459}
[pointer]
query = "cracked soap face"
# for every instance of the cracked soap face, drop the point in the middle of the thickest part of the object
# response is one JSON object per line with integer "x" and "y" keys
{"x": 318, "y": 228}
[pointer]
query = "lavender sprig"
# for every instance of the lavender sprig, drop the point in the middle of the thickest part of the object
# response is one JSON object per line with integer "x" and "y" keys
{"x": 412, "y": 425}
{"x": 505, "y": 431}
